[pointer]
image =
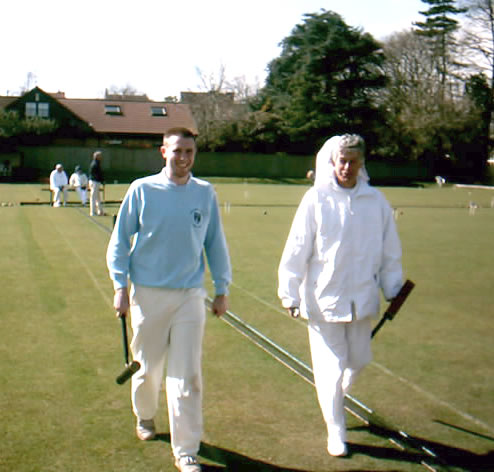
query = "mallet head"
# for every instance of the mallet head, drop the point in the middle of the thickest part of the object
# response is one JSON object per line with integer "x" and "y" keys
{"x": 129, "y": 371}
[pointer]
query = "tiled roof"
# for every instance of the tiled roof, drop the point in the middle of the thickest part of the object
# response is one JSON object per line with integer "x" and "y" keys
{"x": 135, "y": 115}
{"x": 5, "y": 101}
{"x": 135, "y": 118}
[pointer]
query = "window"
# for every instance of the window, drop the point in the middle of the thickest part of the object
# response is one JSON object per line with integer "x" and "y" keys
{"x": 31, "y": 109}
{"x": 158, "y": 111}
{"x": 113, "y": 110}
{"x": 37, "y": 109}
{"x": 44, "y": 110}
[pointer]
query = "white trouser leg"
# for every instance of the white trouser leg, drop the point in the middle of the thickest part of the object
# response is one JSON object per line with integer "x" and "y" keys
{"x": 151, "y": 326}
{"x": 57, "y": 196}
{"x": 184, "y": 378}
{"x": 95, "y": 205}
{"x": 92, "y": 197}
{"x": 335, "y": 349}
{"x": 82, "y": 194}
{"x": 169, "y": 323}
{"x": 359, "y": 353}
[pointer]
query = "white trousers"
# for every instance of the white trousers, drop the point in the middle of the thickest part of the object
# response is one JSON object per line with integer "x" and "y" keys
{"x": 57, "y": 196}
{"x": 339, "y": 352}
{"x": 95, "y": 204}
{"x": 82, "y": 194}
{"x": 168, "y": 325}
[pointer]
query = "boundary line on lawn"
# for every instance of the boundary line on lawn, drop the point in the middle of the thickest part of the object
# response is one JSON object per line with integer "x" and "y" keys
{"x": 102, "y": 292}
{"x": 432, "y": 397}
{"x": 390, "y": 373}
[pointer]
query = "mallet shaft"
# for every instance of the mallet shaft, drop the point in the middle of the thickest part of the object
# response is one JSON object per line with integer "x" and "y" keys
{"x": 134, "y": 366}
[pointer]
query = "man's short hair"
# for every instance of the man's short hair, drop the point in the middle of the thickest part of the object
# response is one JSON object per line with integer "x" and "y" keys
{"x": 179, "y": 131}
{"x": 352, "y": 142}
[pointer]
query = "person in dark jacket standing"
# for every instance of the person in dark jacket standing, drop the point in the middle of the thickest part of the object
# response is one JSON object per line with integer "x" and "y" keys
{"x": 96, "y": 180}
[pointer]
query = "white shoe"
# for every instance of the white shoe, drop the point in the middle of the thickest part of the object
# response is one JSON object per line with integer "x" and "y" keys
{"x": 187, "y": 464}
{"x": 337, "y": 447}
{"x": 145, "y": 430}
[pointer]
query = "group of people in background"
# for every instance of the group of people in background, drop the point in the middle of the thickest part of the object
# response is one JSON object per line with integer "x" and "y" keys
{"x": 79, "y": 181}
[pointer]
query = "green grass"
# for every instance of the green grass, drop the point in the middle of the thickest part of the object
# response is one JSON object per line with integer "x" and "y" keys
{"x": 61, "y": 350}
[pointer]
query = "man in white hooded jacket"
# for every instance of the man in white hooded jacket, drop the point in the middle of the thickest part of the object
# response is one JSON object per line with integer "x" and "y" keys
{"x": 342, "y": 248}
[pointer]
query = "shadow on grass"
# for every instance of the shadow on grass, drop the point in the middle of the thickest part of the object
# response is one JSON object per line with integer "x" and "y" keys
{"x": 233, "y": 462}
{"x": 463, "y": 430}
{"x": 444, "y": 456}
{"x": 229, "y": 460}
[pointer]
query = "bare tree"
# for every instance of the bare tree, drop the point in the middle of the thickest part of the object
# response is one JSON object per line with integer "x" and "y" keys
{"x": 411, "y": 94}
{"x": 31, "y": 81}
{"x": 479, "y": 41}
{"x": 413, "y": 98}
{"x": 211, "y": 82}
{"x": 128, "y": 90}
{"x": 478, "y": 35}
{"x": 243, "y": 90}
{"x": 218, "y": 103}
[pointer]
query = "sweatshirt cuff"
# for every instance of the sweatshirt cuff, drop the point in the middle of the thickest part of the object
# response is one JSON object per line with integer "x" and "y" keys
{"x": 120, "y": 282}
{"x": 221, "y": 289}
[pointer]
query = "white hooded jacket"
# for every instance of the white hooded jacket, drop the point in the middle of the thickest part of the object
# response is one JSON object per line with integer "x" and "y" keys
{"x": 342, "y": 248}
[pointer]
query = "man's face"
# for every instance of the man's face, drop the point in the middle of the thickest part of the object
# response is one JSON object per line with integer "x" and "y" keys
{"x": 347, "y": 167}
{"x": 179, "y": 154}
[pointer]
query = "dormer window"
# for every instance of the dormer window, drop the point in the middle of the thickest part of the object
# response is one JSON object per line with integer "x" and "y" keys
{"x": 113, "y": 110}
{"x": 158, "y": 111}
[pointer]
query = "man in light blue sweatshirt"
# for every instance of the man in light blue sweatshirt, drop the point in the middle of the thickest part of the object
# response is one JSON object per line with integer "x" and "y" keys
{"x": 166, "y": 225}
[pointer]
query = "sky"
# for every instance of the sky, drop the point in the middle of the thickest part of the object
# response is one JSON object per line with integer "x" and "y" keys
{"x": 163, "y": 47}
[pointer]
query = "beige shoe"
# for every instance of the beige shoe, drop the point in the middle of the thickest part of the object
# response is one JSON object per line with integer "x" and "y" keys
{"x": 145, "y": 430}
{"x": 187, "y": 464}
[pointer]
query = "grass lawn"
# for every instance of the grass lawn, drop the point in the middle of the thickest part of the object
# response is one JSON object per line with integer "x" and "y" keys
{"x": 432, "y": 372}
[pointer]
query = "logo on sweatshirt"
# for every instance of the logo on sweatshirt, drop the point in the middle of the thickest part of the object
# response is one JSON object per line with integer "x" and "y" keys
{"x": 196, "y": 218}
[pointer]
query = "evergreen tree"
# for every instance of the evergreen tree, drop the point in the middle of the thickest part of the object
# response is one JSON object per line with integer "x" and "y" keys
{"x": 324, "y": 81}
{"x": 439, "y": 28}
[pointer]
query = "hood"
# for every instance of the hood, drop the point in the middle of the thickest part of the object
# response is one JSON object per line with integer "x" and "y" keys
{"x": 325, "y": 167}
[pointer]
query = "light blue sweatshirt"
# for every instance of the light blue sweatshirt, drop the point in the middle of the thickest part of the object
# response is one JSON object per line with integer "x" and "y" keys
{"x": 161, "y": 233}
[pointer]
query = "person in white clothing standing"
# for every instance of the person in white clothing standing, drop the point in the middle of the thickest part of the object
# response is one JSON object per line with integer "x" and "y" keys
{"x": 78, "y": 180}
{"x": 167, "y": 226}
{"x": 342, "y": 249}
{"x": 58, "y": 185}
